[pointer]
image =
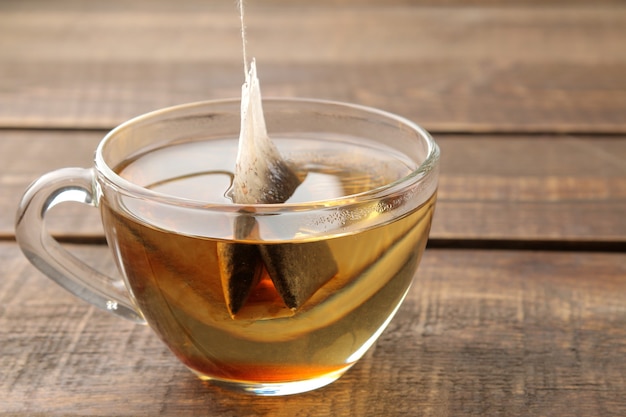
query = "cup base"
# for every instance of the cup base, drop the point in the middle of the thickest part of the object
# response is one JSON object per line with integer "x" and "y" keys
{"x": 275, "y": 388}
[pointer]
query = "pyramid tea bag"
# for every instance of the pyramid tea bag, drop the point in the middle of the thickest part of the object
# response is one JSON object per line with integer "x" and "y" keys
{"x": 262, "y": 176}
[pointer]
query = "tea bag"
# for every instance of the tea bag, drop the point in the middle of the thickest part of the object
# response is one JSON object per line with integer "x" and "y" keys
{"x": 262, "y": 176}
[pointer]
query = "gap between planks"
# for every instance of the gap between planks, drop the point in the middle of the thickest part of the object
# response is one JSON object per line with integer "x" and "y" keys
{"x": 551, "y": 245}
{"x": 478, "y": 131}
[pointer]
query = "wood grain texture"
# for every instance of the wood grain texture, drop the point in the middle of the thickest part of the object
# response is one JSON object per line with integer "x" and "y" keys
{"x": 476, "y": 69}
{"x": 526, "y": 99}
{"x": 196, "y": 5}
{"x": 481, "y": 333}
{"x": 527, "y": 188}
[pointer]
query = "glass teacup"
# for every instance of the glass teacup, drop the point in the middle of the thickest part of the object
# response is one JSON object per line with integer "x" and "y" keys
{"x": 269, "y": 298}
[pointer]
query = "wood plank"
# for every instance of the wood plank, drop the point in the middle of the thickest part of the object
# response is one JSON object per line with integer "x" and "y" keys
{"x": 527, "y": 188}
{"x": 191, "y": 5}
{"x": 481, "y": 333}
{"x": 547, "y": 188}
{"x": 25, "y": 156}
{"x": 477, "y": 69}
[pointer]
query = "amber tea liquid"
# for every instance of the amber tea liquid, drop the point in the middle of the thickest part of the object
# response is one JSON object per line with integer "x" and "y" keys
{"x": 176, "y": 280}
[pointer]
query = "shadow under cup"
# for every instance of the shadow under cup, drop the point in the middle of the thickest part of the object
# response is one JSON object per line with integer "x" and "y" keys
{"x": 271, "y": 299}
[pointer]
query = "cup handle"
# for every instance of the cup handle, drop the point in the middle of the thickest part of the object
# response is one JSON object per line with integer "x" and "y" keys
{"x": 45, "y": 253}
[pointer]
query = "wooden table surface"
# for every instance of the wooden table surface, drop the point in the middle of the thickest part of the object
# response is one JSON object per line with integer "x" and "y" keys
{"x": 519, "y": 306}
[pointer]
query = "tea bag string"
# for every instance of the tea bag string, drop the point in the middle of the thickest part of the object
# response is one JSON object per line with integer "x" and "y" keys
{"x": 243, "y": 37}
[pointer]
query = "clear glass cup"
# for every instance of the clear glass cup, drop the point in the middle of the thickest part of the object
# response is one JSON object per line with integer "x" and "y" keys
{"x": 347, "y": 261}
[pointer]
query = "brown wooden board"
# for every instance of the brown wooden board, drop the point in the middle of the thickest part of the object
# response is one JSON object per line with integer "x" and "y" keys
{"x": 551, "y": 188}
{"x": 480, "y": 333}
{"x": 199, "y": 5}
{"x": 515, "y": 187}
{"x": 27, "y": 155}
{"x": 459, "y": 69}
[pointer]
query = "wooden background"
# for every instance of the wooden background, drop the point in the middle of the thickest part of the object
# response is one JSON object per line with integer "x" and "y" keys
{"x": 519, "y": 307}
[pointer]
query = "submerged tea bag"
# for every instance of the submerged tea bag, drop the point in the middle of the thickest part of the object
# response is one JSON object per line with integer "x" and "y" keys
{"x": 263, "y": 176}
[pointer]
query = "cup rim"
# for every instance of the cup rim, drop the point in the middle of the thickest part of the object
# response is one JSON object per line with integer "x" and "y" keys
{"x": 129, "y": 188}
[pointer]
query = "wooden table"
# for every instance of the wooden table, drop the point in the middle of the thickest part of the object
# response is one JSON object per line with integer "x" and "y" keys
{"x": 519, "y": 307}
